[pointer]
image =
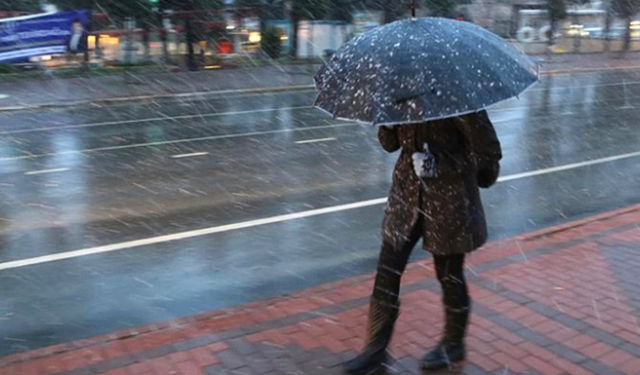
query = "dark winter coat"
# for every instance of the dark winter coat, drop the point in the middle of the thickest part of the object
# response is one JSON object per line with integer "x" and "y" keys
{"x": 467, "y": 152}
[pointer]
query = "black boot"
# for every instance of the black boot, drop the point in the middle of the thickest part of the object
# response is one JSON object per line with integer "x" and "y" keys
{"x": 382, "y": 318}
{"x": 451, "y": 349}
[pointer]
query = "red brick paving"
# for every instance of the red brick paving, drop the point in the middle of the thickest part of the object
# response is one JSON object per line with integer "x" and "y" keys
{"x": 559, "y": 306}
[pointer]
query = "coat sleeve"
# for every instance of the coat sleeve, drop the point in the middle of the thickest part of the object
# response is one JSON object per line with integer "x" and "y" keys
{"x": 388, "y": 138}
{"x": 484, "y": 146}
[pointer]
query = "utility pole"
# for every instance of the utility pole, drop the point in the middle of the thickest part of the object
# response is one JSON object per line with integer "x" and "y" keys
{"x": 129, "y": 25}
{"x": 607, "y": 25}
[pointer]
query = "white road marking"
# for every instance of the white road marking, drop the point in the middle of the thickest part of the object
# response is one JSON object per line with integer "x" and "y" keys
{"x": 187, "y": 140}
{"x": 47, "y": 171}
{"x": 218, "y": 114}
{"x": 580, "y": 86}
{"x": 570, "y": 166}
{"x": 316, "y": 140}
{"x": 239, "y": 135}
{"x": 190, "y": 155}
{"x": 236, "y": 93}
{"x": 583, "y": 71}
{"x": 184, "y": 235}
{"x": 270, "y": 220}
{"x": 3, "y": 96}
{"x": 154, "y": 119}
{"x": 520, "y": 108}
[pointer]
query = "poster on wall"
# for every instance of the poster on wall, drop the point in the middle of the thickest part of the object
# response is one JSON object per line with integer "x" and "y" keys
{"x": 42, "y": 34}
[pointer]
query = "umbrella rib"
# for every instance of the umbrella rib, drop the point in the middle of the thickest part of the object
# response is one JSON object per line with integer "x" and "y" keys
{"x": 512, "y": 91}
{"x": 374, "y": 101}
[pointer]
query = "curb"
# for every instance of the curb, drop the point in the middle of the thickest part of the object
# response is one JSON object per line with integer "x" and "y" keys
{"x": 556, "y": 229}
{"x": 588, "y": 70}
{"x": 262, "y": 90}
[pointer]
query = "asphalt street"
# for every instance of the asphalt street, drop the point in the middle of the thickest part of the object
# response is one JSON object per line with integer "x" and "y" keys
{"x": 124, "y": 215}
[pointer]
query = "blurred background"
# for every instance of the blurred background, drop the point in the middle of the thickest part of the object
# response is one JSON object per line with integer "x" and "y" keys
{"x": 209, "y": 34}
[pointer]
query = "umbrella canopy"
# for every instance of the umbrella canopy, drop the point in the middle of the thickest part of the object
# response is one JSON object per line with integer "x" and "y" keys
{"x": 421, "y": 69}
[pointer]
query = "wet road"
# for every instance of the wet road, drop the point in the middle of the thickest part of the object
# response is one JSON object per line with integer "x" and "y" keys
{"x": 172, "y": 208}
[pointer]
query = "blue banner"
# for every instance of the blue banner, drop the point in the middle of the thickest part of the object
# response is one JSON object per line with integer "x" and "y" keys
{"x": 42, "y": 34}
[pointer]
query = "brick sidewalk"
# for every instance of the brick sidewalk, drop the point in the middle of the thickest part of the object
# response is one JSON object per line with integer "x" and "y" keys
{"x": 565, "y": 300}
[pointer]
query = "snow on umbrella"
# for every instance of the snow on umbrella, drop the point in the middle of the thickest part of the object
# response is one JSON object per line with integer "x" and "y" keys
{"x": 421, "y": 69}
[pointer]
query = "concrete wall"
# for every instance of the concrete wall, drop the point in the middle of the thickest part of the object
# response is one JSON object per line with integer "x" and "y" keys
{"x": 314, "y": 37}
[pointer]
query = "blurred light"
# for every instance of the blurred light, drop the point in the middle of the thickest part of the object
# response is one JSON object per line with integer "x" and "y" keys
{"x": 584, "y": 33}
{"x": 45, "y": 58}
{"x": 255, "y": 37}
{"x": 106, "y": 39}
{"x": 284, "y": 37}
{"x": 211, "y": 67}
{"x": 92, "y": 41}
{"x": 230, "y": 27}
{"x": 154, "y": 45}
{"x": 635, "y": 22}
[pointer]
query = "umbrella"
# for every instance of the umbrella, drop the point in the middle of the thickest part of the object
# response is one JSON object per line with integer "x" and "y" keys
{"x": 421, "y": 69}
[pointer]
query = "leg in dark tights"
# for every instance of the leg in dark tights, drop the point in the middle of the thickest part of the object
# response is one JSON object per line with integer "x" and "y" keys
{"x": 391, "y": 265}
{"x": 450, "y": 273}
{"x": 456, "y": 301}
{"x": 384, "y": 305}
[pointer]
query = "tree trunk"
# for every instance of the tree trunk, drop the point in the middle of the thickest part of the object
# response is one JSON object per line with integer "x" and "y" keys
{"x": 627, "y": 35}
{"x": 128, "y": 41}
{"x": 263, "y": 15}
{"x": 191, "y": 38}
{"x": 607, "y": 29}
{"x": 577, "y": 39}
{"x": 146, "y": 40}
{"x": 164, "y": 38}
{"x": 388, "y": 12}
{"x": 294, "y": 38}
{"x": 553, "y": 24}
{"x": 165, "y": 45}
{"x": 89, "y": 29}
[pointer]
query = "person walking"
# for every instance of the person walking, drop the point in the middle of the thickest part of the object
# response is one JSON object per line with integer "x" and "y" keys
{"x": 434, "y": 197}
